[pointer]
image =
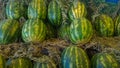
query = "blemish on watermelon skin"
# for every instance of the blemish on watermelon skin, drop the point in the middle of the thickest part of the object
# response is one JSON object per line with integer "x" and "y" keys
{"x": 112, "y": 1}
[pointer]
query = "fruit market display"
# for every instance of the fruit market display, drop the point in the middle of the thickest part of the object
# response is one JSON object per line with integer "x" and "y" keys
{"x": 60, "y": 34}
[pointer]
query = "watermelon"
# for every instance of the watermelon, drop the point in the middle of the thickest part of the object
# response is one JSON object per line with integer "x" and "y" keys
{"x": 104, "y": 25}
{"x": 37, "y": 9}
{"x": 19, "y": 63}
{"x": 117, "y": 26}
{"x": 33, "y": 30}
{"x": 104, "y": 60}
{"x": 81, "y": 31}
{"x": 9, "y": 31}
{"x": 44, "y": 62}
{"x": 16, "y": 9}
{"x": 2, "y": 62}
{"x": 77, "y": 10}
{"x": 63, "y": 31}
{"x": 54, "y": 13}
{"x": 74, "y": 57}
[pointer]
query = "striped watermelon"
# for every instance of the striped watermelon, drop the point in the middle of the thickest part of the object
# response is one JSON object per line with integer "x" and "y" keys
{"x": 64, "y": 31}
{"x": 104, "y": 25}
{"x": 19, "y": 63}
{"x": 44, "y": 62}
{"x": 2, "y": 62}
{"x": 74, "y": 57}
{"x": 34, "y": 30}
{"x": 9, "y": 31}
{"x": 77, "y": 10}
{"x": 104, "y": 60}
{"x": 117, "y": 26}
{"x": 16, "y": 9}
{"x": 54, "y": 13}
{"x": 37, "y": 9}
{"x": 80, "y": 31}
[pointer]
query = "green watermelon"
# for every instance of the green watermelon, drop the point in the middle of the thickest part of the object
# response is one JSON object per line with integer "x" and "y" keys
{"x": 34, "y": 30}
{"x": 81, "y": 31}
{"x": 2, "y": 62}
{"x": 54, "y": 13}
{"x": 37, "y": 9}
{"x": 74, "y": 57}
{"x": 104, "y": 25}
{"x": 16, "y": 9}
{"x": 77, "y": 10}
{"x": 44, "y": 62}
{"x": 117, "y": 26}
{"x": 9, "y": 31}
{"x": 19, "y": 63}
{"x": 104, "y": 60}
{"x": 63, "y": 31}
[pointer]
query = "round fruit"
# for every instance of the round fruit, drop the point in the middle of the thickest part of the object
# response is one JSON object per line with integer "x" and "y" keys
{"x": 77, "y": 10}
{"x": 104, "y": 25}
{"x": 37, "y": 9}
{"x": 9, "y": 31}
{"x": 74, "y": 57}
{"x": 80, "y": 31}
{"x": 19, "y": 63}
{"x": 44, "y": 62}
{"x": 54, "y": 13}
{"x": 16, "y": 9}
{"x": 104, "y": 60}
{"x": 34, "y": 30}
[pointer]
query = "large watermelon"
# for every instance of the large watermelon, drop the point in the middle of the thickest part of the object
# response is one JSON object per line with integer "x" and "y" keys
{"x": 104, "y": 60}
{"x": 117, "y": 26}
{"x": 54, "y": 13}
{"x": 104, "y": 25}
{"x": 81, "y": 31}
{"x": 74, "y": 57}
{"x": 19, "y": 63}
{"x": 16, "y": 9}
{"x": 34, "y": 30}
{"x": 9, "y": 31}
{"x": 44, "y": 62}
{"x": 37, "y": 9}
{"x": 2, "y": 62}
{"x": 77, "y": 10}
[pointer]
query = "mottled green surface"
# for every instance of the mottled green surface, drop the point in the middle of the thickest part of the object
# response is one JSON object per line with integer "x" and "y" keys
{"x": 54, "y": 13}
{"x": 9, "y": 30}
{"x": 81, "y": 31}
{"x": 34, "y": 30}
{"x": 74, "y": 57}
{"x": 104, "y": 25}
{"x": 37, "y": 9}
{"x": 104, "y": 60}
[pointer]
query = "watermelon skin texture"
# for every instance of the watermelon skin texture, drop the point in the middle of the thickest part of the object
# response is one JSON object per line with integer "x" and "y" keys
{"x": 37, "y": 9}
{"x": 9, "y": 31}
{"x": 2, "y": 62}
{"x": 64, "y": 31}
{"x": 104, "y": 60}
{"x": 117, "y": 26}
{"x": 81, "y": 31}
{"x": 104, "y": 25}
{"x": 74, "y": 57}
{"x": 15, "y": 9}
{"x": 54, "y": 13}
{"x": 44, "y": 62}
{"x": 77, "y": 10}
{"x": 20, "y": 63}
{"x": 34, "y": 31}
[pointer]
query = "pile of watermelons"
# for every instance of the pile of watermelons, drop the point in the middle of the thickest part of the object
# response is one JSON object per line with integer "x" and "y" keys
{"x": 60, "y": 34}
